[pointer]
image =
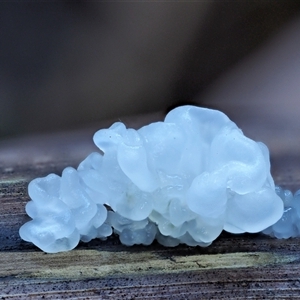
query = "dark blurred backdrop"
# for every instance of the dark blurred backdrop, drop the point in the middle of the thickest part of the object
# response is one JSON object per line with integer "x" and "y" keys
{"x": 67, "y": 64}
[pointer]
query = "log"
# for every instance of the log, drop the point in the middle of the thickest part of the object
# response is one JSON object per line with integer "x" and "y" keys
{"x": 234, "y": 266}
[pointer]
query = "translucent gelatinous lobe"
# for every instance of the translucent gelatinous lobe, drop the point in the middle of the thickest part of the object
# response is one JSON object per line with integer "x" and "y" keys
{"x": 288, "y": 225}
{"x": 183, "y": 180}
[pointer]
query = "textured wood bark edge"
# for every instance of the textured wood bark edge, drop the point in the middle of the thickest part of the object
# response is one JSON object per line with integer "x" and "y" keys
{"x": 81, "y": 264}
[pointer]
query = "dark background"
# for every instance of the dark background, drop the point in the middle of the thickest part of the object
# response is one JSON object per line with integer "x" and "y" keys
{"x": 65, "y": 65}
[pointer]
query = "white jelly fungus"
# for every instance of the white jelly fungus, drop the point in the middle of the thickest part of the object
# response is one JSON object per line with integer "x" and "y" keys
{"x": 183, "y": 180}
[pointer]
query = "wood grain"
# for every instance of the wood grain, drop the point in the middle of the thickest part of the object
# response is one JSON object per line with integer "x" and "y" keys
{"x": 234, "y": 267}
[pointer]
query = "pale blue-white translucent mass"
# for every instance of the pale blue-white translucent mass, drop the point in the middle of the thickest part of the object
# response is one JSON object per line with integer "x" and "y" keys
{"x": 289, "y": 224}
{"x": 183, "y": 180}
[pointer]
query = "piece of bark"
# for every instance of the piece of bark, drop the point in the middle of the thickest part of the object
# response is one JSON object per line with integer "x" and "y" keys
{"x": 234, "y": 266}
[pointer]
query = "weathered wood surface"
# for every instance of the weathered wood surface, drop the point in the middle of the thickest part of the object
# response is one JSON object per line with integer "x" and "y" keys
{"x": 234, "y": 267}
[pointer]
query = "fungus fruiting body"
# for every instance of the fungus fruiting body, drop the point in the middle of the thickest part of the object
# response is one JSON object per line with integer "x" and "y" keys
{"x": 183, "y": 180}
